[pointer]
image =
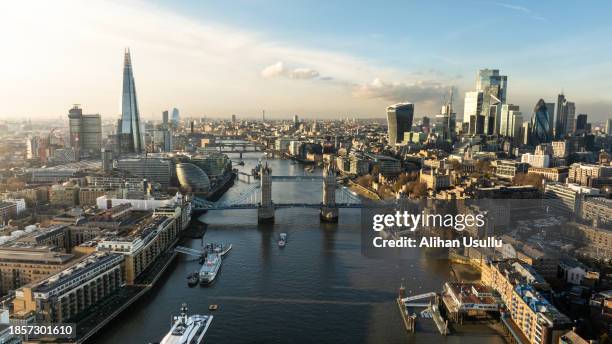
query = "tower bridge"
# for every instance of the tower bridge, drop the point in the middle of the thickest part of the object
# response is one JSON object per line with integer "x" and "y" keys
{"x": 259, "y": 197}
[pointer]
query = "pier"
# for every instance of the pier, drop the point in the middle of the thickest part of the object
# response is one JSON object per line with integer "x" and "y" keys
{"x": 431, "y": 311}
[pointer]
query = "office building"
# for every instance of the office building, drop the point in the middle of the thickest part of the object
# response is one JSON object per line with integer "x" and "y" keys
{"x": 511, "y": 120}
{"x": 129, "y": 133}
{"x": 143, "y": 243}
{"x": 64, "y": 196}
{"x": 472, "y": 112}
{"x": 540, "y": 131}
{"x": 566, "y": 198}
{"x": 176, "y": 117}
{"x": 551, "y": 174}
{"x": 213, "y": 164}
{"x": 536, "y": 160}
{"x": 564, "y": 123}
{"x": 399, "y": 121}
{"x": 482, "y": 107}
{"x": 165, "y": 118}
{"x": 68, "y": 293}
{"x": 154, "y": 170}
{"x": 508, "y": 169}
{"x": 107, "y": 160}
{"x": 560, "y": 149}
{"x": 23, "y": 263}
{"x": 85, "y": 132}
{"x": 550, "y": 107}
{"x": 8, "y": 211}
{"x": 586, "y": 174}
{"x": 608, "y": 128}
{"x": 32, "y": 147}
{"x": 581, "y": 124}
{"x": 598, "y": 210}
{"x": 538, "y": 321}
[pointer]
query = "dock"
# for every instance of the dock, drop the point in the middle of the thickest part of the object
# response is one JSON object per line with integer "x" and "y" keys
{"x": 431, "y": 311}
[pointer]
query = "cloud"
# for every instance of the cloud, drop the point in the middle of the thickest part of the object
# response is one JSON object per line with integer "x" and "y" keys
{"x": 522, "y": 9}
{"x": 279, "y": 70}
{"x": 304, "y": 73}
{"x": 421, "y": 91}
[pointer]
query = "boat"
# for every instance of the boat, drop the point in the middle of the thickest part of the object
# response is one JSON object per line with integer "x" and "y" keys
{"x": 193, "y": 279}
{"x": 240, "y": 163}
{"x": 187, "y": 329}
{"x": 210, "y": 268}
{"x": 282, "y": 240}
{"x": 212, "y": 262}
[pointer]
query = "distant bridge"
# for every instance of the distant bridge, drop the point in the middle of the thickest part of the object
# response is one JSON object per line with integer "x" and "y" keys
{"x": 238, "y": 147}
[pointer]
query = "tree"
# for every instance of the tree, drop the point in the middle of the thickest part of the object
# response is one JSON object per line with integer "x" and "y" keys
{"x": 365, "y": 180}
{"x": 375, "y": 170}
{"x": 402, "y": 180}
{"x": 416, "y": 189}
{"x": 455, "y": 165}
{"x": 535, "y": 180}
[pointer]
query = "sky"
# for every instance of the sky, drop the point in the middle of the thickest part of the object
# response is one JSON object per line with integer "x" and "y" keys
{"x": 317, "y": 59}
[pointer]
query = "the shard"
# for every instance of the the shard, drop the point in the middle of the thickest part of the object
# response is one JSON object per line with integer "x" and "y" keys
{"x": 129, "y": 135}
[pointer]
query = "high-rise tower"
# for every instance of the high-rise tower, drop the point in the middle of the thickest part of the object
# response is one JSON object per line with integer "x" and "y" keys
{"x": 399, "y": 121}
{"x": 130, "y": 137}
{"x": 85, "y": 132}
{"x": 540, "y": 132}
{"x": 483, "y": 106}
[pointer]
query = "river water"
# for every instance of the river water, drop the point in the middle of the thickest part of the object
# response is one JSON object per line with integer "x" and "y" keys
{"x": 317, "y": 289}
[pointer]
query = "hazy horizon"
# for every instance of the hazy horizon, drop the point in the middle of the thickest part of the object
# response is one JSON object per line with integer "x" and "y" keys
{"x": 214, "y": 60}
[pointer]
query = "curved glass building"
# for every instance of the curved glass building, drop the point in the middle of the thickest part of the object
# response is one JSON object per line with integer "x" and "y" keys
{"x": 399, "y": 121}
{"x": 193, "y": 178}
{"x": 540, "y": 126}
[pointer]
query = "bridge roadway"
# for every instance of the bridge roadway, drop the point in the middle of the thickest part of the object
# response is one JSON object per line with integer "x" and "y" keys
{"x": 279, "y": 206}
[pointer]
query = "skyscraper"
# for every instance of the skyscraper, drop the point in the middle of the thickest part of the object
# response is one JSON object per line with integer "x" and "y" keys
{"x": 85, "y": 132}
{"x": 566, "y": 112}
{"x": 483, "y": 106}
{"x": 447, "y": 120}
{"x": 165, "y": 117}
{"x": 494, "y": 87}
{"x": 551, "y": 118}
{"x": 399, "y": 121}
{"x": 540, "y": 131}
{"x": 608, "y": 127}
{"x": 581, "y": 123}
{"x": 472, "y": 112}
{"x": 129, "y": 133}
{"x": 176, "y": 117}
{"x": 508, "y": 126}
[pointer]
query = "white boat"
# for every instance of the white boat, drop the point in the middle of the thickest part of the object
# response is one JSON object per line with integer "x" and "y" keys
{"x": 282, "y": 241}
{"x": 210, "y": 268}
{"x": 187, "y": 329}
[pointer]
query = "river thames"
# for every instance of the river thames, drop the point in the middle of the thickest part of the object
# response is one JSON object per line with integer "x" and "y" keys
{"x": 317, "y": 289}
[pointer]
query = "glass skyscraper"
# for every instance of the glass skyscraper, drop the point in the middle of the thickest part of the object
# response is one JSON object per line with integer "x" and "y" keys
{"x": 129, "y": 134}
{"x": 399, "y": 121}
{"x": 483, "y": 106}
{"x": 176, "y": 117}
{"x": 540, "y": 130}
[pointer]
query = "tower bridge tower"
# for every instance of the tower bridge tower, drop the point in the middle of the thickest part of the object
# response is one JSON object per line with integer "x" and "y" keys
{"x": 265, "y": 212}
{"x": 329, "y": 211}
